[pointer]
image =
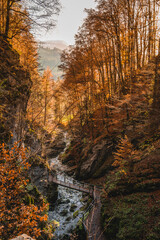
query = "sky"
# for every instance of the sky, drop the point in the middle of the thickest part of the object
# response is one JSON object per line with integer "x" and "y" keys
{"x": 69, "y": 20}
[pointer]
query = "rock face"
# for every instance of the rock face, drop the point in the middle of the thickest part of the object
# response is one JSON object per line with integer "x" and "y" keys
{"x": 99, "y": 154}
{"x": 87, "y": 161}
{"x": 15, "y": 91}
{"x": 39, "y": 172}
{"x": 54, "y": 148}
{"x": 40, "y": 178}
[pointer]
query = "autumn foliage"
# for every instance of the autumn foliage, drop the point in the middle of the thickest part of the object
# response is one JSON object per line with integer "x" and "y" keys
{"x": 16, "y": 217}
{"x": 117, "y": 39}
{"x": 125, "y": 157}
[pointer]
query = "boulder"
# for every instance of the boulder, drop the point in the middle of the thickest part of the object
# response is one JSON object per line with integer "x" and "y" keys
{"x": 54, "y": 148}
{"x": 64, "y": 213}
{"x": 73, "y": 207}
{"x": 23, "y": 237}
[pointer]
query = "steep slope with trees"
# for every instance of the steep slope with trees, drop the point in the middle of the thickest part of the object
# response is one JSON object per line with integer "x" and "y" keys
{"x": 102, "y": 71}
{"x": 22, "y": 207}
{"x": 111, "y": 81}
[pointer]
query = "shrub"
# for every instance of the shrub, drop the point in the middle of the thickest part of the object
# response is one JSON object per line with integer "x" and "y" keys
{"x": 17, "y": 217}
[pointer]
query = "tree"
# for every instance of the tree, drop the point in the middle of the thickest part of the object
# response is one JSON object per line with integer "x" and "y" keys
{"x": 16, "y": 217}
{"x": 47, "y": 86}
{"x": 125, "y": 157}
{"x": 155, "y": 110}
{"x": 15, "y": 12}
{"x": 116, "y": 40}
{"x": 42, "y": 12}
{"x": 41, "y": 102}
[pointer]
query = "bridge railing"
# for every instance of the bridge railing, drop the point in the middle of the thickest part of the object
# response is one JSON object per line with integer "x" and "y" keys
{"x": 72, "y": 182}
{"x": 87, "y": 211}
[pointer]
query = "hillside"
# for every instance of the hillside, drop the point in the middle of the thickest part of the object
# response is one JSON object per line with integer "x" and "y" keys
{"x": 53, "y": 44}
{"x": 126, "y": 162}
{"x": 50, "y": 57}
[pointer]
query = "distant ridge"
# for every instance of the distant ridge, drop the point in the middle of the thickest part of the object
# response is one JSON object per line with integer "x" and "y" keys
{"x": 50, "y": 56}
{"x": 53, "y": 44}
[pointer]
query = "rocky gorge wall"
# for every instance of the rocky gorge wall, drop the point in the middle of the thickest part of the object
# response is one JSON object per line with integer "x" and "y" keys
{"x": 40, "y": 155}
{"x": 15, "y": 85}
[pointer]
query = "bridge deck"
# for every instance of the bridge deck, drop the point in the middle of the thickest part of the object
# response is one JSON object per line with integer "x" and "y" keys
{"x": 84, "y": 188}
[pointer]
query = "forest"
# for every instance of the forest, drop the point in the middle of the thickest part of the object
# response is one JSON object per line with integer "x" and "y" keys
{"x": 80, "y": 155}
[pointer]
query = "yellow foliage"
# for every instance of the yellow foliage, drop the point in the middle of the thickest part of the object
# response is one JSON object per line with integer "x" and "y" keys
{"x": 125, "y": 157}
{"x": 57, "y": 224}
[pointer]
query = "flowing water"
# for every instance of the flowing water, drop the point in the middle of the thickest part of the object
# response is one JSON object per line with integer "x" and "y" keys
{"x": 68, "y": 203}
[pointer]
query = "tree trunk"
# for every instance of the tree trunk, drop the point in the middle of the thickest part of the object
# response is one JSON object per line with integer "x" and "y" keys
{"x": 7, "y": 19}
{"x": 155, "y": 111}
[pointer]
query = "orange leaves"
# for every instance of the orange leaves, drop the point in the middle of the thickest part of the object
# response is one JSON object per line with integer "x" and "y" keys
{"x": 43, "y": 218}
{"x": 15, "y": 216}
{"x": 116, "y": 163}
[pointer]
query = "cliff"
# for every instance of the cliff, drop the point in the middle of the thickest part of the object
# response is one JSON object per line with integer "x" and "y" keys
{"x": 15, "y": 85}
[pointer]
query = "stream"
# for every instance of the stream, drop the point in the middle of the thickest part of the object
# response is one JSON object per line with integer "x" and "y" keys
{"x": 68, "y": 202}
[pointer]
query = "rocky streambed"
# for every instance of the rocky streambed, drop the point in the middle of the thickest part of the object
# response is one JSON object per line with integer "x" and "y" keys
{"x": 68, "y": 211}
{"x": 66, "y": 205}
{"x": 70, "y": 204}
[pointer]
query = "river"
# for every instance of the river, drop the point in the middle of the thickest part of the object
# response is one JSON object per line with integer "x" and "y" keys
{"x": 68, "y": 206}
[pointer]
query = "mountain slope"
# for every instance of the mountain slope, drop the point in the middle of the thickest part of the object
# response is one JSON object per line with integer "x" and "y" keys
{"x": 126, "y": 162}
{"x": 51, "y": 58}
{"x": 53, "y": 44}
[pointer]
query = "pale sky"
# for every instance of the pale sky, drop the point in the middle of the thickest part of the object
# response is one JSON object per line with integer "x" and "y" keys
{"x": 69, "y": 20}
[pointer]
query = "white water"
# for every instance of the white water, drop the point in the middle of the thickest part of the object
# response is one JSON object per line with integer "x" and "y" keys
{"x": 66, "y": 199}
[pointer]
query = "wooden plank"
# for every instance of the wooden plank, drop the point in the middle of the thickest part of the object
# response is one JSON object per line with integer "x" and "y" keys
{"x": 86, "y": 188}
{"x": 72, "y": 186}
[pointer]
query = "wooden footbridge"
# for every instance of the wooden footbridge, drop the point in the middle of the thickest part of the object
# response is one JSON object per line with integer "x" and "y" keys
{"x": 94, "y": 191}
{"x": 82, "y": 187}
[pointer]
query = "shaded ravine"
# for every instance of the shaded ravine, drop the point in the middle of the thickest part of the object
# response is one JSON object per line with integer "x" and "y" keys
{"x": 68, "y": 206}
{"x": 68, "y": 210}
